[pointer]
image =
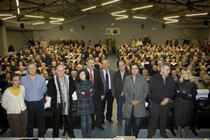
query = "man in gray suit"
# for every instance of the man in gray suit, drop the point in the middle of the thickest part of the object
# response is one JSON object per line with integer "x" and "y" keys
{"x": 107, "y": 78}
{"x": 135, "y": 91}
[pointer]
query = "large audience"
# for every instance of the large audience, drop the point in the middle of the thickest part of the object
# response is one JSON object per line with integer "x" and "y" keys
{"x": 73, "y": 57}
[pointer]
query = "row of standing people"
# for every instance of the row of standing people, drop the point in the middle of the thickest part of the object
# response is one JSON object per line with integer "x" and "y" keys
{"x": 94, "y": 89}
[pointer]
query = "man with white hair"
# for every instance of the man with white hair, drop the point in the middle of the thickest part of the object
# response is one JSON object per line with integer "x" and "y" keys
{"x": 60, "y": 89}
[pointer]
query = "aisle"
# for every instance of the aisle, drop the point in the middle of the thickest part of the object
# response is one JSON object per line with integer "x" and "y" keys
{"x": 113, "y": 58}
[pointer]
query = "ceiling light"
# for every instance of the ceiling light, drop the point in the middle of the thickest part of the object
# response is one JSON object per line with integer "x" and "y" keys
{"x": 55, "y": 21}
{"x": 171, "y": 17}
{"x": 57, "y": 18}
{"x": 6, "y": 15}
{"x": 18, "y": 10}
{"x": 17, "y": 3}
{"x": 106, "y": 3}
{"x": 38, "y": 23}
{"x": 8, "y": 18}
{"x": 88, "y": 8}
{"x": 118, "y": 12}
{"x": 58, "y": 23}
{"x": 171, "y": 21}
{"x": 143, "y": 7}
{"x": 33, "y": 16}
{"x": 123, "y": 17}
{"x": 138, "y": 17}
{"x": 198, "y": 14}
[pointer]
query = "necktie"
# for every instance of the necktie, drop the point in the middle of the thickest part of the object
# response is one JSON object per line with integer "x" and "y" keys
{"x": 107, "y": 81}
{"x": 91, "y": 75}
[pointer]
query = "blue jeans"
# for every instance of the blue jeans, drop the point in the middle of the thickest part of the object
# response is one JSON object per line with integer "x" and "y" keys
{"x": 86, "y": 126}
{"x": 120, "y": 102}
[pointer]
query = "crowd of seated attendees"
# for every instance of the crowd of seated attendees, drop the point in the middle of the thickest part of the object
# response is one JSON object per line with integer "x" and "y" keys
{"x": 150, "y": 56}
{"x": 71, "y": 53}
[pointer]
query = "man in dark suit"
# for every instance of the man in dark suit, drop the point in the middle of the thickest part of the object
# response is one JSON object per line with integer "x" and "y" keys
{"x": 95, "y": 77}
{"x": 107, "y": 78}
{"x": 119, "y": 78}
{"x": 60, "y": 89}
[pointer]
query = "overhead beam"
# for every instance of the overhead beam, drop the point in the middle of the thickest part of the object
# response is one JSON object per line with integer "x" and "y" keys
{"x": 43, "y": 6}
{"x": 31, "y": 2}
{"x": 9, "y": 10}
{"x": 73, "y": 4}
{"x": 48, "y": 12}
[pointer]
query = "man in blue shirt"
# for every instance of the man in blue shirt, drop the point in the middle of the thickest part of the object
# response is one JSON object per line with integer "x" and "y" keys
{"x": 35, "y": 88}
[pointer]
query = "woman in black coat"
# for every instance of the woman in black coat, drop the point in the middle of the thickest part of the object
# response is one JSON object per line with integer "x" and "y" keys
{"x": 85, "y": 90}
{"x": 183, "y": 111}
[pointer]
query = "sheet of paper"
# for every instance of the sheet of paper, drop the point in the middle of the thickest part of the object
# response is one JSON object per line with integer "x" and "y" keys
{"x": 202, "y": 93}
{"x": 47, "y": 102}
{"x": 74, "y": 96}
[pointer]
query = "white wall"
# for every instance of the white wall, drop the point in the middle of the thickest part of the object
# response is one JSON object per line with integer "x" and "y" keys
{"x": 18, "y": 38}
{"x": 95, "y": 30}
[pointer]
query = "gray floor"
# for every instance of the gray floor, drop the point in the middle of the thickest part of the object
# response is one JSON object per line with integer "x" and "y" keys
{"x": 112, "y": 130}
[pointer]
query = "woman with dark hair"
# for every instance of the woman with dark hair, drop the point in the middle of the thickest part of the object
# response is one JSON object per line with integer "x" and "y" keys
{"x": 13, "y": 103}
{"x": 84, "y": 89}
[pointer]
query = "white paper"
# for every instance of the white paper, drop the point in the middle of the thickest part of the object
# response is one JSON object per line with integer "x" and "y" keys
{"x": 202, "y": 93}
{"x": 74, "y": 96}
{"x": 146, "y": 104}
{"x": 47, "y": 102}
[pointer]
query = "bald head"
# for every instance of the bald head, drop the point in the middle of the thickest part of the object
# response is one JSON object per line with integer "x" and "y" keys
{"x": 60, "y": 71}
{"x": 105, "y": 64}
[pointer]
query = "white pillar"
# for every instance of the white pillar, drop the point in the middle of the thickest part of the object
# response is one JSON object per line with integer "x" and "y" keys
{"x": 3, "y": 40}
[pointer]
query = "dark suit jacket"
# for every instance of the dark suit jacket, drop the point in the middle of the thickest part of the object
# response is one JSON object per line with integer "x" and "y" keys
{"x": 112, "y": 79}
{"x": 159, "y": 90}
{"x": 52, "y": 92}
{"x": 118, "y": 83}
{"x": 98, "y": 85}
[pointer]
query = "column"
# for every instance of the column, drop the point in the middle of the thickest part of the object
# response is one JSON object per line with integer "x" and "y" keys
{"x": 3, "y": 40}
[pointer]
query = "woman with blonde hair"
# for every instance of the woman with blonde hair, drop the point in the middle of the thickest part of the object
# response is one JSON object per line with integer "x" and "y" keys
{"x": 185, "y": 95}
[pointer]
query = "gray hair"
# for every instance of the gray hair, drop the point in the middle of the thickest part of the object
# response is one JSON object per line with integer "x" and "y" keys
{"x": 164, "y": 64}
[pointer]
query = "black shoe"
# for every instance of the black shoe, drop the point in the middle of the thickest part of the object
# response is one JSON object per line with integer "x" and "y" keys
{"x": 3, "y": 130}
{"x": 149, "y": 136}
{"x": 110, "y": 120}
{"x": 93, "y": 126}
{"x": 100, "y": 127}
{"x": 164, "y": 135}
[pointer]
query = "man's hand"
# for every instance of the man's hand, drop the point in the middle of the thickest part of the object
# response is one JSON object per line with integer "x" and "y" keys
{"x": 135, "y": 102}
{"x": 122, "y": 94}
{"x": 102, "y": 97}
{"x": 165, "y": 101}
{"x": 83, "y": 93}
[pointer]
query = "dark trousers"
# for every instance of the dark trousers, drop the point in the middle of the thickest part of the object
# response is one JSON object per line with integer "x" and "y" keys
{"x": 18, "y": 124}
{"x": 36, "y": 111}
{"x": 97, "y": 117}
{"x": 158, "y": 114}
{"x": 132, "y": 125}
{"x": 109, "y": 100}
{"x": 120, "y": 103}
{"x": 86, "y": 126}
{"x": 4, "y": 125}
{"x": 60, "y": 120}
